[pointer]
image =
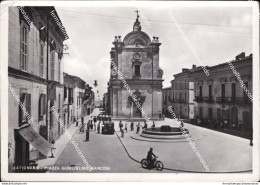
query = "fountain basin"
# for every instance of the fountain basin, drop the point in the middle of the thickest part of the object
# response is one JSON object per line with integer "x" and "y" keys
{"x": 164, "y": 132}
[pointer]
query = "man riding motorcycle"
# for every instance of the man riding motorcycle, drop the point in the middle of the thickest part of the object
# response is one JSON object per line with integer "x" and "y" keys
{"x": 151, "y": 158}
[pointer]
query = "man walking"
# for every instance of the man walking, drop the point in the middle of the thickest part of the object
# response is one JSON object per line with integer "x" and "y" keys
{"x": 132, "y": 126}
{"x": 125, "y": 127}
{"x": 82, "y": 120}
{"x": 138, "y": 128}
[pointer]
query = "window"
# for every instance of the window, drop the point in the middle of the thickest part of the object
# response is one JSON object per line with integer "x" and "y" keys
{"x": 52, "y": 64}
{"x": 137, "y": 70}
{"x": 59, "y": 61}
{"x": 26, "y": 101}
{"x": 24, "y": 49}
{"x": 233, "y": 92}
{"x": 42, "y": 105}
{"x": 210, "y": 91}
{"x": 65, "y": 93}
{"x": 223, "y": 91}
{"x": 59, "y": 104}
{"x": 200, "y": 91}
{"x": 42, "y": 60}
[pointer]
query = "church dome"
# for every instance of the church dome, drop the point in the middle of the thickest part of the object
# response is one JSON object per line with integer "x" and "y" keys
{"x": 137, "y": 36}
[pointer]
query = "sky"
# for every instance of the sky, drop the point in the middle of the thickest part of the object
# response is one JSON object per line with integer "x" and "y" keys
{"x": 216, "y": 34}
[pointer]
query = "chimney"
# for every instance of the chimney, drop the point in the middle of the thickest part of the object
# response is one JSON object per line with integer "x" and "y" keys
{"x": 193, "y": 66}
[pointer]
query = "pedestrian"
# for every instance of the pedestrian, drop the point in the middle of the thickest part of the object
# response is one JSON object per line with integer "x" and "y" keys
{"x": 95, "y": 129}
{"x": 138, "y": 128}
{"x": 145, "y": 125}
{"x": 95, "y": 119}
{"x": 132, "y": 126}
{"x": 120, "y": 124}
{"x": 122, "y": 132}
{"x": 76, "y": 122}
{"x": 182, "y": 124}
{"x": 125, "y": 127}
{"x": 87, "y": 135}
{"x": 98, "y": 127}
{"x": 82, "y": 120}
{"x": 88, "y": 125}
{"x": 153, "y": 126}
{"x": 91, "y": 125}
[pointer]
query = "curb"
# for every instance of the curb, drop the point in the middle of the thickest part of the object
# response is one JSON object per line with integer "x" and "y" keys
{"x": 171, "y": 169}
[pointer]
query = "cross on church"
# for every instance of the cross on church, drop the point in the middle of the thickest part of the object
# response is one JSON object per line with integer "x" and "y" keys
{"x": 137, "y": 11}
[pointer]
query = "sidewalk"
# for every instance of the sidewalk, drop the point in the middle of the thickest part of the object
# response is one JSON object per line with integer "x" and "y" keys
{"x": 61, "y": 144}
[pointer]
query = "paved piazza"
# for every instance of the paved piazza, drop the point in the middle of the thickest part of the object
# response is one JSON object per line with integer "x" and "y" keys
{"x": 108, "y": 151}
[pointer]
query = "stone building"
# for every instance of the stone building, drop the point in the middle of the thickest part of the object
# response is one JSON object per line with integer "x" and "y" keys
{"x": 167, "y": 100}
{"x": 137, "y": 58}
{"x": 68, "y": 100}
{"x": 217, "y": 97}
{"x": 220, "y": 96}
{"x": 180, "y": 95}
{"x": 78, "y": 99}
{"x": 35, "y": 48}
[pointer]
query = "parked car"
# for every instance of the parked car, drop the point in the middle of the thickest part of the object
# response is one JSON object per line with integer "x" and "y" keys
{"x": 108, "y": 128}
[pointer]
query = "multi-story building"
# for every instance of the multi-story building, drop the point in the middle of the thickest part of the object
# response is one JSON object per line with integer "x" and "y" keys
{"x": 137, "y": 58}
{"x": 220, "y": 95}
{"x": 167, "y": 100}
{"x": 68, "y": 100}
{"x": 78, "y": 99}
{"x": 217, "y": 97}
{"x": 183, "y": 94}
{"x": 35, "y": 48}
{"x": 88, "y": 100}
{"x": 180, "y": 95}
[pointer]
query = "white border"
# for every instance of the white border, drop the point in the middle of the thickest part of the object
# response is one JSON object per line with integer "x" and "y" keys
{"x": 128, "y": 176}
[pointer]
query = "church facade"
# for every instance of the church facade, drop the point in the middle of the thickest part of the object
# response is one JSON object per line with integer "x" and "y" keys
{"x": 137, "y": 58}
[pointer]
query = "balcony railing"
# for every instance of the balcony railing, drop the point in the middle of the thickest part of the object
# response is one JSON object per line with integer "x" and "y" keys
{"x": 209, "y": 99}
{"x": 234, "y": 100}
{"x": 198, "y": 99}
{"x": 223, "y": 100}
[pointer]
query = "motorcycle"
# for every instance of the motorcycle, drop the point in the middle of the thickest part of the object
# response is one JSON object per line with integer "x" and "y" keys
{"x": 157, "y": 164}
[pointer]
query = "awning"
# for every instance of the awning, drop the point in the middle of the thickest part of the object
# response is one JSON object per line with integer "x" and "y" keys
{"x": 36, "y": 140}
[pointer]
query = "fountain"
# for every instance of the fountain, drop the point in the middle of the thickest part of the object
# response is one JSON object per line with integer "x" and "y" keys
{"x": 164, "y": 132}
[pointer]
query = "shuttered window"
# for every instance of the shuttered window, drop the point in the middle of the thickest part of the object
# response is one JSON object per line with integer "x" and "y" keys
{"x": 42, "y": 106}
{"x": 24, "y": 109}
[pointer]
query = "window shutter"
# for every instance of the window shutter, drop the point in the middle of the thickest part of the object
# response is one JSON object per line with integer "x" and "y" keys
{"x": 28, "y": 104}
{"x": 44, "y": 104}
{"x": 21, "y": 113}
{"x": 40, "y": 108}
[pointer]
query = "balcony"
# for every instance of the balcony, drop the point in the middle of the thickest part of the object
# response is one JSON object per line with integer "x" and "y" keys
{"x": 209, "y": 99}
{"x": 242, "y": 101}
{"x": 223, "y": 100}
{"x": 199, "y": 99}
{"x": 234, "y": 100}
